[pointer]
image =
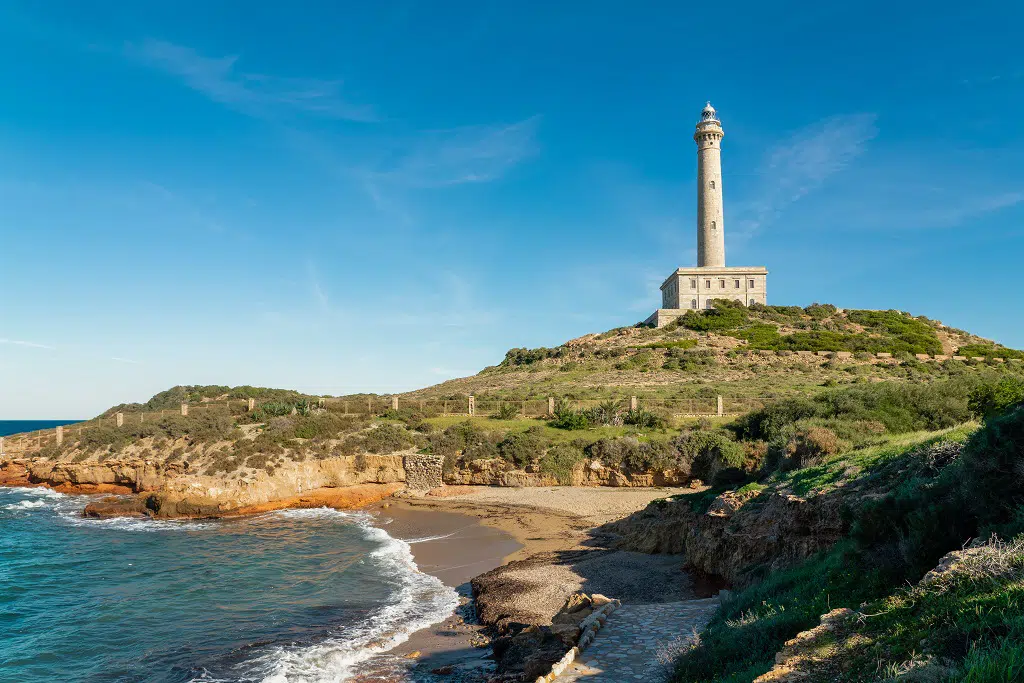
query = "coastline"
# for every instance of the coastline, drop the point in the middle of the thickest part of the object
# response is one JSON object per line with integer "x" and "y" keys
{"x": 522, "y": 551}
{"x": 490, "y": 536}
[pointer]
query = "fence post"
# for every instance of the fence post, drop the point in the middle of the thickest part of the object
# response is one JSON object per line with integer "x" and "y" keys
{"x": 60, "y": 435}
{"x": 721, "y": 407}
{"x": 252, "y": 405}
{"x": 142, "y": 417}
{"x": 119, "y": 417}
{"x": 295, "y": 411}
{"x": 524, "y": 408}
{"x": 1, "y": 445}
{"x": 472, "y": 405}
{"x": 184, "y": 409}
{"x": 633, "y": 403}
{"x": 394, "y": 403}
{"x": 369, "y": 405}
{"x": 551, "y": 405}
{"x": 346, "y": 406}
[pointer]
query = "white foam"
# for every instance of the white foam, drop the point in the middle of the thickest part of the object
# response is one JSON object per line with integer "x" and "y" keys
{"x": 26, "y": 505}
{"x": 38, "y": 491}
{"x": 421, "y": 601}
{"x": 69, "y": 509}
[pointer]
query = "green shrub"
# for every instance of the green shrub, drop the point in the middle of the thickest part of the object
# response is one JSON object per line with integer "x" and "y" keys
{"x": 689, "y": 361}
{"x": 522, "y": 448}
{"x": 631, "y": 454}
{"x": 507, "y": 411}
{"x": 708, "y": 452}
{"x": 522, "y": 356}
{"x": 991, "y": 399}
{"x": 388, "y": 439}
{"x": 809, "y": 447}
{"x": 993, "y": 460}
{"x": 725, "y": 315}
{"x": 643, "y": 419}
{"x": 989, "y": 351}
{"x": 820, "y": 311}
{"x": 560, "y": 462}
{"x": 675, "y": 344}
{"x": 566, "y": 417}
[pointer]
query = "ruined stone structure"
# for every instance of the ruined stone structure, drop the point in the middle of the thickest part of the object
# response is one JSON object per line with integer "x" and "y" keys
{"x": 695, "y": 288}
{"x": 423, "y": 472}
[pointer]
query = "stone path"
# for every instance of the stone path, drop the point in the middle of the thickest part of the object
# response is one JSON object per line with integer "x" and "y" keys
{"x": 627, "y": 648}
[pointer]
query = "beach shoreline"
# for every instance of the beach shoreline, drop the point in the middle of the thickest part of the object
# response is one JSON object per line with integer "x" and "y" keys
{"x": 464, "y": 534}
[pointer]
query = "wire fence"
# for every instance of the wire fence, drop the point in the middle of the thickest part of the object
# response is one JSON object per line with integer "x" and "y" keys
{"x": 374, "y": 406}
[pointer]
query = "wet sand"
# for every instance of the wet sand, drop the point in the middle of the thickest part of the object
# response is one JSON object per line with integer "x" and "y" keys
{"x": 455, "y": 548}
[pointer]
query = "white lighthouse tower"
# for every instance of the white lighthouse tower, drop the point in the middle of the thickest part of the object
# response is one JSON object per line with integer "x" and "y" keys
{"x": 696, "y": 288}
{"x": 710, "y": 216}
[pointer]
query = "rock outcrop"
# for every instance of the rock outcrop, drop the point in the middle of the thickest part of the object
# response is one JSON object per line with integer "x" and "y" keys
{"x": 738, "y": 535}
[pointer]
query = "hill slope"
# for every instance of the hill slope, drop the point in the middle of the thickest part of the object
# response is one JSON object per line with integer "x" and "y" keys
{"x": 761, "y": 351}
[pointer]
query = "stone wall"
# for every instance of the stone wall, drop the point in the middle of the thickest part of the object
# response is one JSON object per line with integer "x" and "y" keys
{"x": 424, "y": 472}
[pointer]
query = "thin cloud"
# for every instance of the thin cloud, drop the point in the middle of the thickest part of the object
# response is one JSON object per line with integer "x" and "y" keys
{"x": 221, "y": 80}
{"x": 457, "y": 156}
{"x": 804, "y": 162}
{"x": 28, "y": 344}
{"x": 124, "y": 360}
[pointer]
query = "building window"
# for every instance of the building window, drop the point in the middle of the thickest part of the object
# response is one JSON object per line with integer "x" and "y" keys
{"x": 750, "y": 283}
{"x": 693, "y": 303}
{"x": 707, "y": 304}
{"x": 752, "y": 302}
{"x": 707, "y": 283}
{"x": 714, "y": 226}
{"x": 693, "y": 283}
{"x": 736, "y": 284}
{"x": 712, "y": 184}
{"x": 721, "y": 284}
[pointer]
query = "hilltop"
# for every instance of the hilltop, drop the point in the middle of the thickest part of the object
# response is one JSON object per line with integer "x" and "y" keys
{"x": 757, "y": 351}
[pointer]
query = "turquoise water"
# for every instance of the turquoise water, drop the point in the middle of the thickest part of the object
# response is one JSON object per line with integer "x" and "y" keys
{"x": 15, "y": 426}
{"x": 303, "y": 596}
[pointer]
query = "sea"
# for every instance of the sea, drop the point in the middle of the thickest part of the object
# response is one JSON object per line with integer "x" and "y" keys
{"x": 8, "y": 427}
{"x": 294, "y": 596}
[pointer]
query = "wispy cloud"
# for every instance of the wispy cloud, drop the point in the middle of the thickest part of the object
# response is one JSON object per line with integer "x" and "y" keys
{"x": 222, "y": 80}
{"x": 456, "y": 156}
{"x": 802, "y": 163}
{"x": 124, "y": 360}
{"x": 27, "y": 344}
{"x": 315, "y": 289}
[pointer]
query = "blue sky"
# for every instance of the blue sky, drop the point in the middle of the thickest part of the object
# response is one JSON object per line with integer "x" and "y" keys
{"x": 340, "y": 197}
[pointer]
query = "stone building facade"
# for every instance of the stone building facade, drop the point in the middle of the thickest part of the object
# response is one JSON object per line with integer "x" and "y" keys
{"x": 696, "y": 288}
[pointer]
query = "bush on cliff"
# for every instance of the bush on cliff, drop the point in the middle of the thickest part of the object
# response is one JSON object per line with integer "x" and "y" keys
{"x": 708, "y": 452}
{"x": 995, "y": 398}
{"x": 522, "y": 448}
{"x": 914, "y": 507}
{"x": 899, "y": 407}
{"x": 560, "y": 462}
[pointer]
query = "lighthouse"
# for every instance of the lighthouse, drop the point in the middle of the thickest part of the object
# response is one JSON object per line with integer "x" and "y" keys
{"x": 695, "y": 288}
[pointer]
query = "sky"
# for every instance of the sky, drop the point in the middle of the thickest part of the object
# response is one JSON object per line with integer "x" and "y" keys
{"x": 338, "y": 197}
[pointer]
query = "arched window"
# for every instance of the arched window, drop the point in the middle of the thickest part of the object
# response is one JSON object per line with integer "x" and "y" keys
{"x": 693, "y": 303}
{"x": 712, "y": 184}
{"x": 714, "y": 226}
{"x": 752, "y": 302}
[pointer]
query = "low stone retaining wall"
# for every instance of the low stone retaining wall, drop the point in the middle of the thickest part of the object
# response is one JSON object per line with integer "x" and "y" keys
{"x": 423, "y": 471}
{"x": 588, "y": 631}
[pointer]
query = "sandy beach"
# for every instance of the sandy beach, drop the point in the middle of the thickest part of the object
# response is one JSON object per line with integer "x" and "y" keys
{"x": 533, "y": 547}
